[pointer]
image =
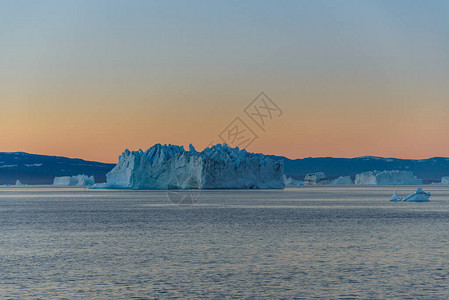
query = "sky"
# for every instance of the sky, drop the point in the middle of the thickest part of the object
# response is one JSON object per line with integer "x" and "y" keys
{"x": 89, "y": 79}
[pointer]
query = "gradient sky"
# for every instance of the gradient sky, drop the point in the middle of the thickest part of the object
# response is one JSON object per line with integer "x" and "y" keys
{"x": 90, "y": 78}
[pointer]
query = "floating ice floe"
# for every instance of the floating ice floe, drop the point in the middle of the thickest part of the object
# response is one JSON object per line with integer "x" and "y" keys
{"x": 171, "y": 167}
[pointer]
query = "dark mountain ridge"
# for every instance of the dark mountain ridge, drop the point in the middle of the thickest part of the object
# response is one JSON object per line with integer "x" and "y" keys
{"x": 42, "y": 169}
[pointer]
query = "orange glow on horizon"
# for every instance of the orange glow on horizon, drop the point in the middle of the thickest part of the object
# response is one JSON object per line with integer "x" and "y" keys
{"x": 101, "y": 133}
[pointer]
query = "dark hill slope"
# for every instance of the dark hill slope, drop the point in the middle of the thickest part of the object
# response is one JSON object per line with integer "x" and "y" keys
{"x": 41, "y": 169}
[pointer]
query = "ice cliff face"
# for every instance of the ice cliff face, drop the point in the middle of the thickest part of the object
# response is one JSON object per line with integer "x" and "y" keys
{"x": 78, "y": 180}
{"x": 315, "y": 178}
{"x": 386, "y": 178}
{"x": 171, "y": 167}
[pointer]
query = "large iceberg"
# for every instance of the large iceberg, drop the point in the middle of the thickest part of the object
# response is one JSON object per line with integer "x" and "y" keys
{"x": 171, "y": 167}
{"x": 78, "y": 180}
{"x": 387, "y": 178}
{"x": 315, "y": 178}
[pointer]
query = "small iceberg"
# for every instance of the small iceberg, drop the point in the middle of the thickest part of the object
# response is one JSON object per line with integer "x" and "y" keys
{"x": 392, "y": 177}
{"x": 316, "y": 179}
{"x": 395, "y": 197}
{"x": 418, "y": 196}
{"x": 289, "y": 181}
{"x": 78, "y": 180}
{"x": 445, "y": 180}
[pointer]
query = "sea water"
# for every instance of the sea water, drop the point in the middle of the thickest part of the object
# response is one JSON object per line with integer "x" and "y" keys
{"x": 308, "y": 242}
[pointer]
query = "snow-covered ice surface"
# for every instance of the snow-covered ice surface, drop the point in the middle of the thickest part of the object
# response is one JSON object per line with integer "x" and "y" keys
{"x": 418, "y": 196}
{"x": 394, "y": 177}
{"x": 171, "y": 167}
{"x": 78, "y": 180}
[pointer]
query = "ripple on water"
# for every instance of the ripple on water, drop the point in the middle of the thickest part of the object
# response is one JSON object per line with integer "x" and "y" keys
{"x": 328, "y": 242}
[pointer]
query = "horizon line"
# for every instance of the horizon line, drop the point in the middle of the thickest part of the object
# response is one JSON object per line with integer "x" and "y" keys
{"x": 276, "y": 155}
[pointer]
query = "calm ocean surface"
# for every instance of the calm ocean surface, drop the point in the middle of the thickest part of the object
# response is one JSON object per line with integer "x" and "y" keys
{"x": 312, "y": 242}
